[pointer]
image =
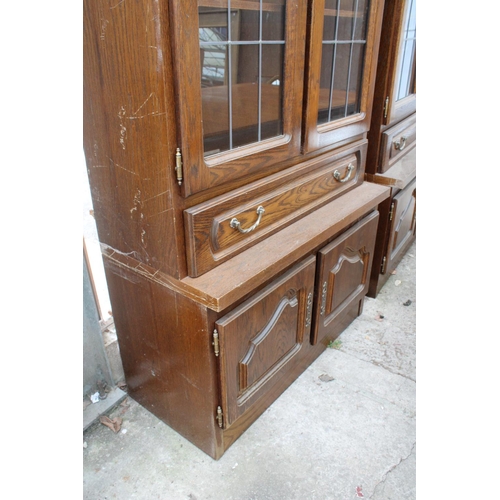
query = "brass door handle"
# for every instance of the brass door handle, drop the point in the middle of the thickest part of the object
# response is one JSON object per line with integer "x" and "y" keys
{"x": 236, "y": 224}
{"x": 350, "y": 170}
{"x": 400, "y": 145}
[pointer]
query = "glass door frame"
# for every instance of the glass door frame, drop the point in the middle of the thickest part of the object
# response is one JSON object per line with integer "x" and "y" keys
{"x": 255, "y": 159}
{"x": 342, "y": 130}
{"x": 399, "y": 109}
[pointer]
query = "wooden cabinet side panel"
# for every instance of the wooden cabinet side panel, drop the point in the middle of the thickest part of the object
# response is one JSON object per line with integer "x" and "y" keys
{"x": 127, "y": 133}
{"x": 168, "y": 359}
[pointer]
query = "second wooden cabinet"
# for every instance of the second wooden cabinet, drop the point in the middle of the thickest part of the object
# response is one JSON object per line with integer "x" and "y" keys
{"x": 391, "y": 157}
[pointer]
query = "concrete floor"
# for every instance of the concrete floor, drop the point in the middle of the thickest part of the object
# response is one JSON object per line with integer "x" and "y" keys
{"x": 345, "y": 429}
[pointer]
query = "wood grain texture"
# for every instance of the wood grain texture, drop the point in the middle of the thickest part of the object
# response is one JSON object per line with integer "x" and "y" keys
{"x": 314, "y": 136}
{"x": 232, "y": 280}
{"x": 400, "y": 174}
{"x": 263, "y": 340}
{"x": 165, "y": 346}
{"x": 201, "y": 173}
{"x": 344, "y": 268}
{"x": 142, "y": 100}
{"x": 397, "y": 231}
{"x": 403, "y": 221}
{"x": 235, "y": 278}
{"x": 126, "y": 109}
{"x": 390, "y": 45}
{"x": 405, "y": 130}
{"x": 384, "y": 165}
{"x": 286, "y": 197}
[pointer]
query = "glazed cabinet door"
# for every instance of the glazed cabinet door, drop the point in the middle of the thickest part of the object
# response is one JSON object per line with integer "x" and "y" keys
{"x": 342, "y": 48}
{"x": 402, "y": 230}
{"x": 264, "y": 340}
{"x": 402, "y": 90}
{"x": 238, "y": 81}
{"x": 344, "y": 268}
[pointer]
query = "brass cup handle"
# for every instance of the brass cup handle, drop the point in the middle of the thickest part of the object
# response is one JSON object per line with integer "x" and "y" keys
{"x": 350, "y": 170}
{"x": 400, "y": 145}
{"x": 236, "y": 224}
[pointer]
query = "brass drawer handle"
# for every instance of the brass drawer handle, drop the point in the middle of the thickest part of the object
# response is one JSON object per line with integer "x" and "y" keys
{"x": 235, "y": 223}
{"x": 350, "y": 170}
{"x": 400, "y": 145}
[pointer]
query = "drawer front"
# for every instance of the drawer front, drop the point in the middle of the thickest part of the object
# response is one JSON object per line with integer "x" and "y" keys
{"x": 344, "y": 268}
{"x": 263, "y": 341}
{"x": 397, "y": 141}
{"x": 225, "y": 226}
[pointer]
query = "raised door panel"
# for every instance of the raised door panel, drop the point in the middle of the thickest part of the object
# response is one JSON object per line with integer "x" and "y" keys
{"x": 264, "y": 339}
{"x": 342, "y": 49}
{"x": 403, "y": 223}
{"x": 343, "y": 277}
{"x": 238, "y": 82}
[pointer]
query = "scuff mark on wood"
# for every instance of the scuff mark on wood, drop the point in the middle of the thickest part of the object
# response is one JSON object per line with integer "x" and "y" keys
{"x": 123, "y": 129}
{"x": 137, "y": 201}
{"x": 115, "y": 6}
{"x": 155, "y": 104}
{"x": 157, "y": 195}
{"x": 123, "y": 168}
{"x": 104, "y": 25}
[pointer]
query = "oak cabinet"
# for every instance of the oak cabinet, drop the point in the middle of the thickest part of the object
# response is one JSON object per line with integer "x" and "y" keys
{"x": 226, "y": 144}
{"x": 391, "y": 156}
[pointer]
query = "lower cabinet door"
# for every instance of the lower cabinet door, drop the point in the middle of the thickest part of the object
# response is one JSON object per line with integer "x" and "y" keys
{"x": 344, "y": 267}
{"x": 264, "y": 340}
{"x": 403, "y": 223}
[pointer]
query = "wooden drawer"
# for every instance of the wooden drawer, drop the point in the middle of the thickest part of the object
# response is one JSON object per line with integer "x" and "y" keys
{"x": 344, "y": 268}
{"x": 264, "y": 341}
{"x": 225, "y": 226}
{"x": 397, "y": 141}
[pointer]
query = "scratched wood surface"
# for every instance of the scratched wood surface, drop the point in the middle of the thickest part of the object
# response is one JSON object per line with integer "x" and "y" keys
{"x": 142, "y": 100}
{"x": 127, "y": 132}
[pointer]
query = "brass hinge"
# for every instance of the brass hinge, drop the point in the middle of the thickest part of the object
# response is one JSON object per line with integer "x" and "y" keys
{"x": 382, "y": 267}
{"x": 215, "y": 343}
{"x": 391, "y": 212}
{"x": 219, "y": 416}
{"x": 386, "y": 106}
{"x": 323, "y": 298}
{"x": 309, "y": 309}
{"x": 178, "y": 166}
